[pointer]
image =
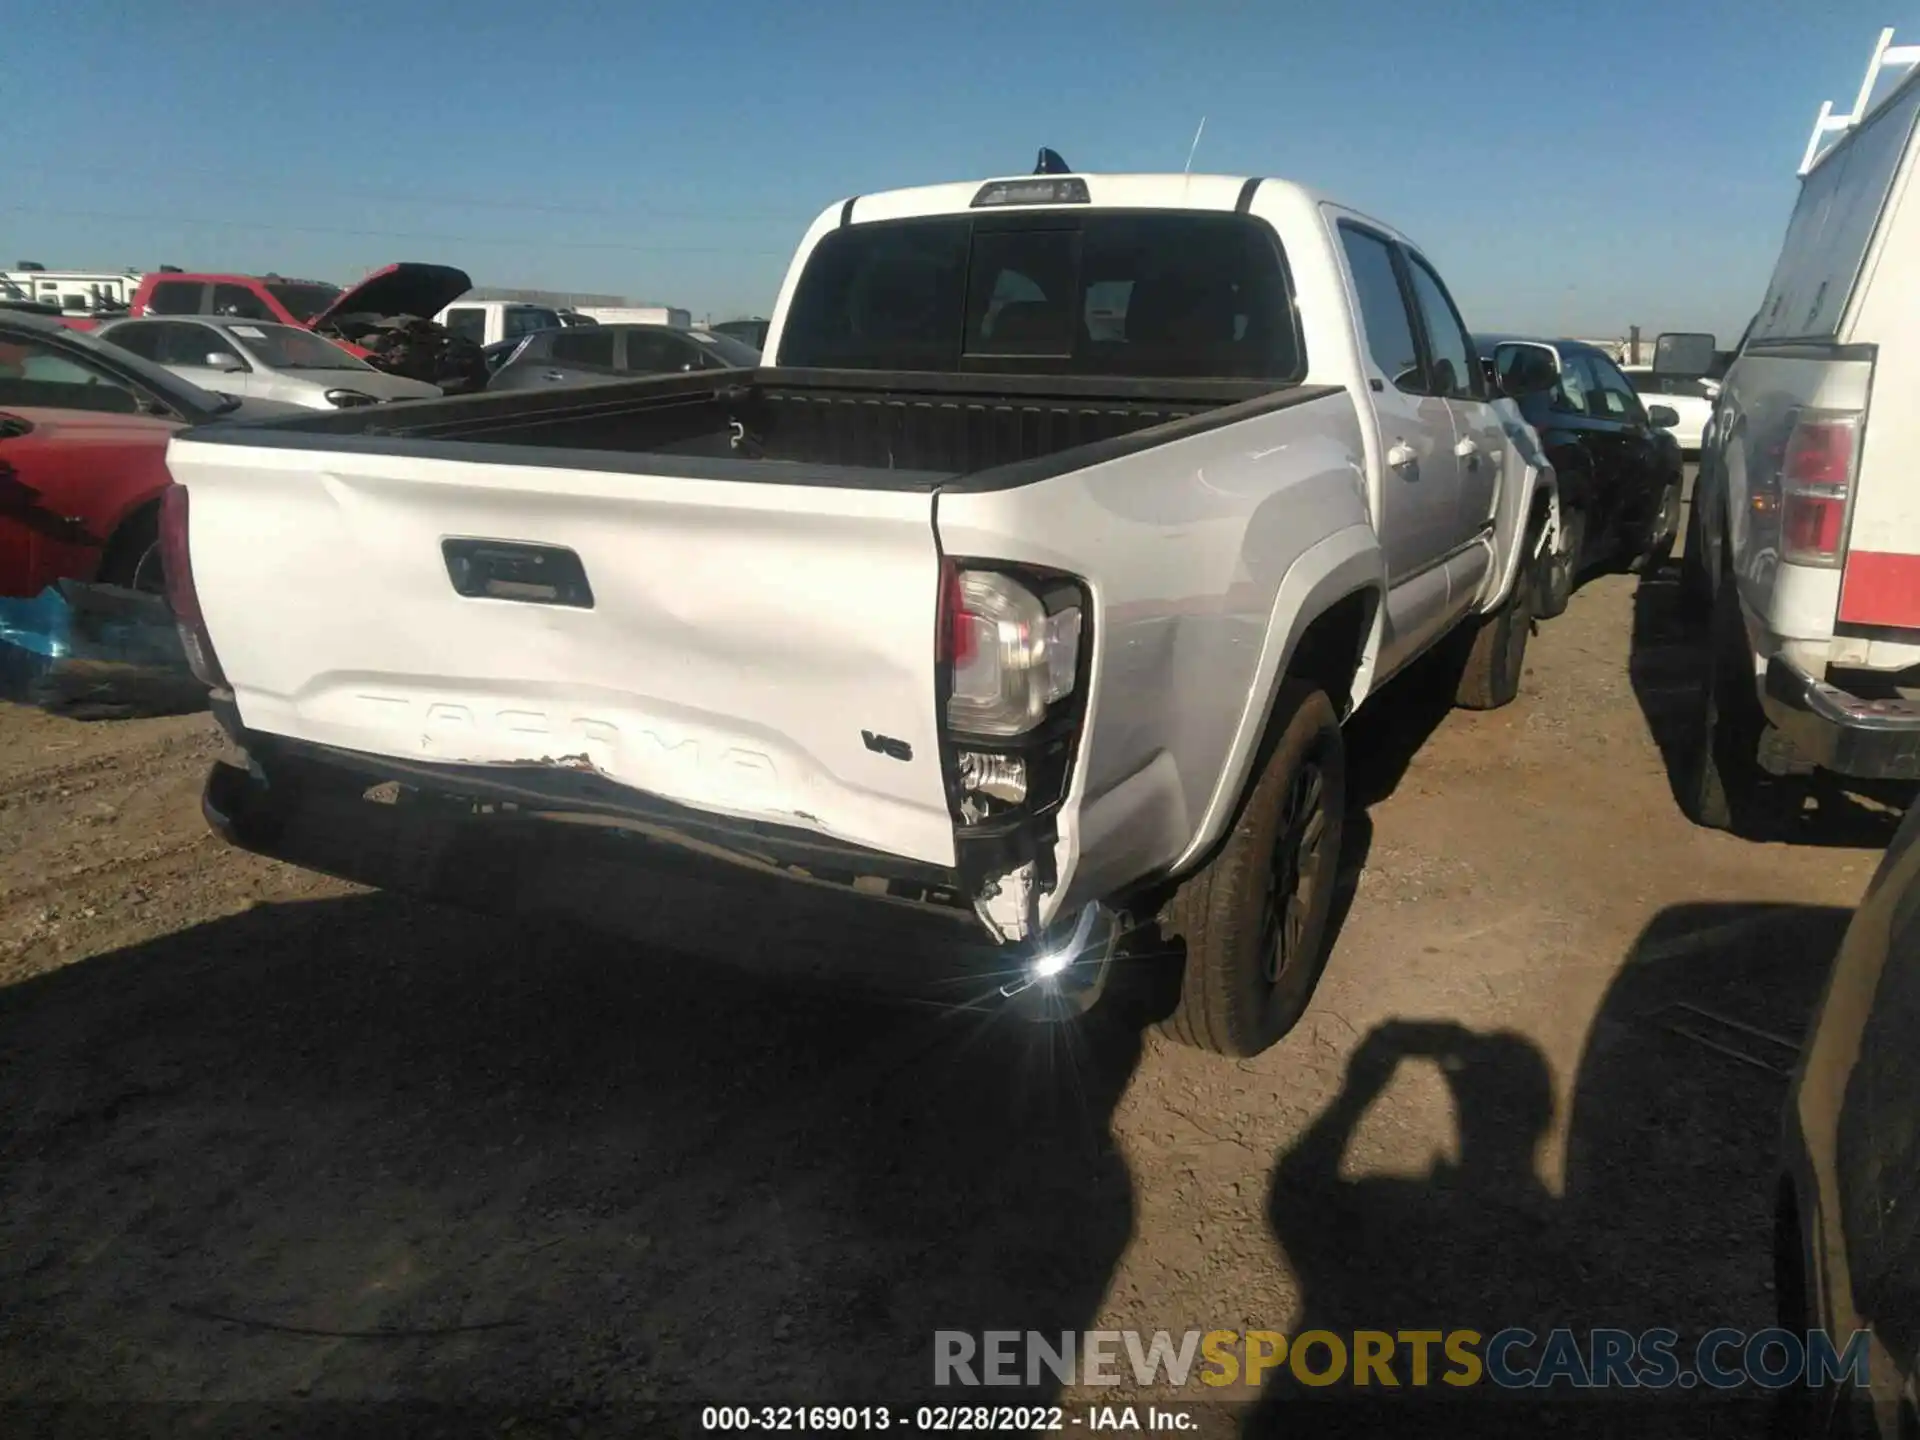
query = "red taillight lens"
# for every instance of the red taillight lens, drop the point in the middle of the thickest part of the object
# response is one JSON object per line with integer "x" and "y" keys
{"x": 1816, "y": 474}
{"x": 956, "y": 636}
{"x": 177, "y": 562}
{"x": 1007, "y": 657}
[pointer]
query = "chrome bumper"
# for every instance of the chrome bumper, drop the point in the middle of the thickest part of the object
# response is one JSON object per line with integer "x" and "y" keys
{"x": 1841, "y": 733}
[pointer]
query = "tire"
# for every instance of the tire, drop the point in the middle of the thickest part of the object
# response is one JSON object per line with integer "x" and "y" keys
{"x": 1722, "y": 784}
{"x": 1497, "y": 657}
{"x": 1696, "y": 583}
{"x": 132, "y": 560}
{"x": 1561, "y": 570}
{"x": 1255, "y": 919}
{"x": 1665, "y": 530}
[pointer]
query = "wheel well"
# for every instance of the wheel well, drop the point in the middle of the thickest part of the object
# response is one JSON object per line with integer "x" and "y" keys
{"x": 1329, "y": 651}
{"x": 134, "y": 529}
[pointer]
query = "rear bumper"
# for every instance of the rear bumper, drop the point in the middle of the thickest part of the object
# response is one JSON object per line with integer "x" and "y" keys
{"x": 495, "y": 807}
{"x": 1841, "y": 733}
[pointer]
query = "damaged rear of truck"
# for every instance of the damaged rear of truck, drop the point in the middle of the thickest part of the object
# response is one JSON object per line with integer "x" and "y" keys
{"x": 970, "y": 598}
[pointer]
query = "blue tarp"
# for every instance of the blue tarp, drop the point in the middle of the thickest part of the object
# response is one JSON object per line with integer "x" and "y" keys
{"x": 95, "y": 652}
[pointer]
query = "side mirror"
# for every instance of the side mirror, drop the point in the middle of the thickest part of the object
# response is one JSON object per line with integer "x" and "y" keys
{"x": 1662, "y": 417}
{"x": 1525, "y": 369}
{"x": 227, "y": 364}
{"x": 1684, "y": 356}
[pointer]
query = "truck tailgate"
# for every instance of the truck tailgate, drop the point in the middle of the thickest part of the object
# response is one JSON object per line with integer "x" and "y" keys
{"x": 731, "y": 643}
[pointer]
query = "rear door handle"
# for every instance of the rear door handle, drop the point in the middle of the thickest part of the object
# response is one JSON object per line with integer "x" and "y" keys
{"x": 1401, "y": 456}
{"x": 553, "y": 375}
{"x": 1467, "y": 448}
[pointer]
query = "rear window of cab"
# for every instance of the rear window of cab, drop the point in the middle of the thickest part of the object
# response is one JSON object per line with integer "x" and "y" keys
{"x": 1166, "y": 293}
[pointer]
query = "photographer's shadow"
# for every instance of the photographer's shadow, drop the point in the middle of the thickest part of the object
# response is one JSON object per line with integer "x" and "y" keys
{"x": 1471, "y": 1244}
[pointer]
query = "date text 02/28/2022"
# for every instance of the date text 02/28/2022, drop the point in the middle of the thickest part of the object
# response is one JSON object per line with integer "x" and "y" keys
{"x": 939, "y": 1419}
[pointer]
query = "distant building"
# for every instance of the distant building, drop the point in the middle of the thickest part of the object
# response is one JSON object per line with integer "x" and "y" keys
{"x": 556, "y": 299}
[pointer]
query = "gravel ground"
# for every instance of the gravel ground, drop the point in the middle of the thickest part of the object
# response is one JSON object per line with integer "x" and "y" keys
{"x": 720, "y": 1149}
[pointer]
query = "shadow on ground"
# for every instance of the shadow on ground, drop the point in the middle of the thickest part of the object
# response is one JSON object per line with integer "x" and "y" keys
{"x": 367, "y": 1147}
{"x": 1665, "y": 1219}
{"x": 1669, "y": 666}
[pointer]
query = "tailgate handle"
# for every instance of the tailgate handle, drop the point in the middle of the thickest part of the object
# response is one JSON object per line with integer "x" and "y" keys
{"x": 514, "y": 570}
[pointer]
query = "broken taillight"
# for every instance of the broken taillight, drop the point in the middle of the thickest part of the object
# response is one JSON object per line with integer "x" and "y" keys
{"x": 1008, "y": 655}
{"x": 177, "y": 563}
{"x": 1816, "y": 476}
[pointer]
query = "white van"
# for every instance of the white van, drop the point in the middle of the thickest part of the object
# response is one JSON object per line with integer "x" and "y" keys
{"x": 488, "y": 322}
{"x": 1804, "y": 542}
{"x": 640, "y": 315}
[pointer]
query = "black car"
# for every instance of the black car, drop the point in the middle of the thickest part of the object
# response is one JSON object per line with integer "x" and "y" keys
{"x": 600, "y": 353}
{"x": 1619, "y": 467}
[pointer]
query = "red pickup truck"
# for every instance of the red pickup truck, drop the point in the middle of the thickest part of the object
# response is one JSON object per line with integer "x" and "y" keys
{"x": 386, "y": 320}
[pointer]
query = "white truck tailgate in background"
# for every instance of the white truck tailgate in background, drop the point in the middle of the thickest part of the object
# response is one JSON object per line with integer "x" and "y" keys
{"x": 741, "y": 637}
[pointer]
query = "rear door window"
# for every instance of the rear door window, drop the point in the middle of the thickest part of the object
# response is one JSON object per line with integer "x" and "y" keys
{"x": 653, "y": 352}
{"x": 1163, "y": 293}
{"x": 240, "y": 302}
{"x": 1385, "y": 320}
{"x": 175, "y": 297}
{"x": 141, "y": 340}
{"x": 1455, "y": 370}
{"x": 589, "y": 346}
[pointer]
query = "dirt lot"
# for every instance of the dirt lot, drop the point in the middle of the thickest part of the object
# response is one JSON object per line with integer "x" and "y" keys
{"x": 509, "y": 1158}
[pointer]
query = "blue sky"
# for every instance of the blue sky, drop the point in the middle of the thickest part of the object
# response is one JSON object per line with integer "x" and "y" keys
{"x": 1568, "y": 167}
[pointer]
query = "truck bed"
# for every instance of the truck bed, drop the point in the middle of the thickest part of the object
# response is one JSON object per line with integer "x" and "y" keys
{"x": 855, "y": 429}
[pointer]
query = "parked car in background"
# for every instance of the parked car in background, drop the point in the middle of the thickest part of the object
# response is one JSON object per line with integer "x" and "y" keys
{"x": 952, "y": 605}
{"x": 1804, "y": 556}
{"x": 490, "y": 322}
{"x": 747, "y": 332}
{"x": 243, "y": 297}
{"x": 603, "y": 353}
{"x": 385, "y": 319}
{"x": 83, "y": 437}
{"x": 262, "y": 359}
{"x": 1620, "y": 470}
{"x": 1847, "y": 1250}
{"x": 1690, "y": 400}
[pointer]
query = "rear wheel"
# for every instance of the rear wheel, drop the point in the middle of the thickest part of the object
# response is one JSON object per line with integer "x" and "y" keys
{"x": 1696, "y": 582}
{"x": 1561, "y": 569}
{"x": 1723, "y": 786}
{"x": 1662, "y": 533}
{"x": 1255, "y": 919}
{"x": 1497, "y": 656}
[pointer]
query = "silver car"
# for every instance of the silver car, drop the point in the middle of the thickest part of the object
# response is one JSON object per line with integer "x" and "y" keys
{"x": 261, "y": 360}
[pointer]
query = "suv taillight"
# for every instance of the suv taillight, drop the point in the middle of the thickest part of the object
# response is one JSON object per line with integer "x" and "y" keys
{"x": 177, "y": 563}
{"x": 1816, "y": 476}
{"x": 1011, "y": 658}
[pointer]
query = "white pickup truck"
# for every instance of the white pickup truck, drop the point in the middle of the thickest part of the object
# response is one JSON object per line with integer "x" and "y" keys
{"x": 951, "y": 600}
{"x": 1803, "y": 551}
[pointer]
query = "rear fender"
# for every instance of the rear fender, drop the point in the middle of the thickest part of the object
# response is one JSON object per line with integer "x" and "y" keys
{"x": 1345, "y": 564}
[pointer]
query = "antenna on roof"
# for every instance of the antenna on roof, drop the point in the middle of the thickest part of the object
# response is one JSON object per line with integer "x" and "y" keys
{"x": 1195, "y": 146}
{"x": 1050, "y": 163}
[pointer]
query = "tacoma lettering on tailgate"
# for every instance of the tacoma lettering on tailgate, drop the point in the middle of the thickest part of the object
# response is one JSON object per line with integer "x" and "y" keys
{"x": 633, "y": 754}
